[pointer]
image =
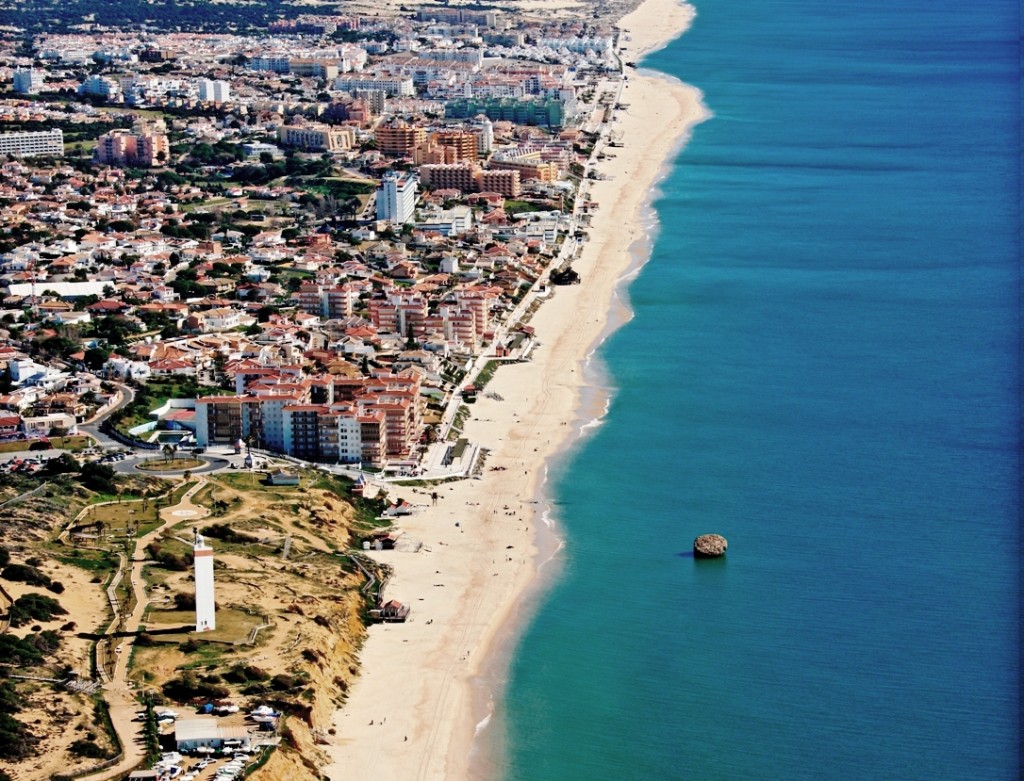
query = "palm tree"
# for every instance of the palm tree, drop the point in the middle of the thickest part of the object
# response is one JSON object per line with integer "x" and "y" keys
{"x": 168, "y": 452}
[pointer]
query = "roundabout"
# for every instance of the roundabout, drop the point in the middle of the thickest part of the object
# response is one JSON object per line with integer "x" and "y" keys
{"x": 177, "y": 464}
{"x": 158, "y": 466}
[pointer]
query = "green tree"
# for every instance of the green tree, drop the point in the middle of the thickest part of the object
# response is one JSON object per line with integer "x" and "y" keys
{"x": 98, "y": 477}
{"x": 65, "y": 463}
{"x": 95, "y": 357}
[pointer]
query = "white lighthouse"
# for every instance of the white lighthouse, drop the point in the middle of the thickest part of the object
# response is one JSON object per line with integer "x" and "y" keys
{"x": 206, "y": 619}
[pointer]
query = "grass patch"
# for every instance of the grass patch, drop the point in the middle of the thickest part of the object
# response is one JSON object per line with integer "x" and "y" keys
{"x": 513, "y": 207}
{"x": 459, "y": 422}
{"x": 205, "y": 496}
{"x": 90, "y": 560}
{"x": 486, "y": 374}
{"x": 233, "y": 628}
{"x": 428, "y": 483}
{"x": 74, "y": 443}
{"x": 139, "y": 516}
{"x": 253, "y": 481}
{"x": 180, "y": 491}
{"x": 460, "y": 448}
{"x": 154, "y": 394}
{"x": 335, "y": 484}
{"x": 340, "y": 188}
{"x": 169, "y": 464}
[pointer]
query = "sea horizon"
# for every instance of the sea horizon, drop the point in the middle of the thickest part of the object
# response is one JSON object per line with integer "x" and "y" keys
{"x": 839, "y": 401}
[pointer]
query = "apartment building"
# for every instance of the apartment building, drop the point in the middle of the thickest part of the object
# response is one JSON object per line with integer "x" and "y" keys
{"x": 123, "y": 147}
{"x": 467, "y": 177}
{"x": 214, "y": 91}
{"x": 220, "y": 420}
{"x": 315, "y": 137}
{"x": 447, "y": 222}
{"x": 399, "y": 138}
{"x": 453, "y": 176}
{"x": 28, "y": 81}
{"x": 100, "y": 86}
{"x": 548, "y": 112}
{"x": 315, "y": 68}
{"x": 287, "y": 422}
{"x": 322, "y": 433}
{"x": 32, "y": 144}
{"x": 459, "y": 16}
{"x": 373, "y": 438}
{"x": 396, "y": 198}
{"x": 503, "y": 182}
{"x": 402, "y": 87}
{"x": 400, "y": 313}
{"x": 528, "y": 168}
{"x": 330, "y": 302}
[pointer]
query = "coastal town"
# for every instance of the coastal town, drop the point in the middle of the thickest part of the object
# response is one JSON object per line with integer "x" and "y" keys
{"x": 323, "y": 230}
{"x": 278, "y": 378}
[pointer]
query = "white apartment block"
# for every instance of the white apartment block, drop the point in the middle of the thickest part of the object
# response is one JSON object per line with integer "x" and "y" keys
{"x": 28, "y": 81}
{"x": 396, "y": 198}
{"x": 32, "y": 144}
{"x": 212, "y": 91}
{"x": 272, "y": 63}
{"x": 100, "y": 85}
{"x": 399, "y": 86}
{"x": 448, "y": 222}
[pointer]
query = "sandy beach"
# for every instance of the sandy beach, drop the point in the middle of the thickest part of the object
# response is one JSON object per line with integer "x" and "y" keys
{"x": 414, "y": 711}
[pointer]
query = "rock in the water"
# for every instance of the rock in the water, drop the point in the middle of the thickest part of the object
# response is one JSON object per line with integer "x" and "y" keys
{"x": 710, "y": 546}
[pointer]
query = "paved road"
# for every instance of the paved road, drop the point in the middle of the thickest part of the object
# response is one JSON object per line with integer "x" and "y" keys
{"x": 92, "y": 427}
{"x": 130, "y": 465}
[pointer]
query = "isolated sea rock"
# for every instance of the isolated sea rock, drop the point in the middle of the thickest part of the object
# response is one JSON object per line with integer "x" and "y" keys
{"x": 710, "y": 546}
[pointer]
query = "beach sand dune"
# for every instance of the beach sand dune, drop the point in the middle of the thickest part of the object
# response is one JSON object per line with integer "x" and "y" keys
{"x": 411, "y": 714}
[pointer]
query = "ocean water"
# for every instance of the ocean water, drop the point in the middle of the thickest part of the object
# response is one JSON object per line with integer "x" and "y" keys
{"x": 824, "y": 367}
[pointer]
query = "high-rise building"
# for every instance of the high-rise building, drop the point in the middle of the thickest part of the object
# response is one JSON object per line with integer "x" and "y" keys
{"x": 375, "y": 98}
{"x": 32, "y": 144}
{"x": 121, "y": 147}
{"x": 454, "y": 176}
{"x": 211, "y": 91}
{"x": 152, "y": 149}
{"x": 393, "y": 86}
{"x": 484, "y": 130}
{"x": 506, "y": 183}
{"x": 206, "y": 605}
{"x": 463, "y": 144}
{"x": 28, "y": 81}
{"x": 396, "y": 198}
{"x": 100, "y": 86}
{"x": 399, "y": 138}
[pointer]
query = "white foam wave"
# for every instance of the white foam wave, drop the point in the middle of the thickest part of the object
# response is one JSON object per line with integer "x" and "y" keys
{"x": 482, "y": 724}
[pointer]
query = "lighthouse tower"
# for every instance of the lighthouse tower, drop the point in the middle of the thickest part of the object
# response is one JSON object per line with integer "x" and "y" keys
{"x": 206, "y": 619}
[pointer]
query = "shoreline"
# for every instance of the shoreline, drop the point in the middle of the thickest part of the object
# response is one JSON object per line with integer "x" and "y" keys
{"x": 424, "y": 704}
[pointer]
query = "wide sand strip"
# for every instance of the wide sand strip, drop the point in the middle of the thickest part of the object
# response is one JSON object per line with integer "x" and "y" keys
{"x": 411, "y": 715}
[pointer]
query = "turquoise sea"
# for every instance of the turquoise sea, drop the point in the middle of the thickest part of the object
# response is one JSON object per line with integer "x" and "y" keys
{"x": 824, "y": 367}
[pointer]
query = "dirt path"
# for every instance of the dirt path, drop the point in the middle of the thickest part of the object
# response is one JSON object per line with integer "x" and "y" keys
{"x": 118, "y": 691}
